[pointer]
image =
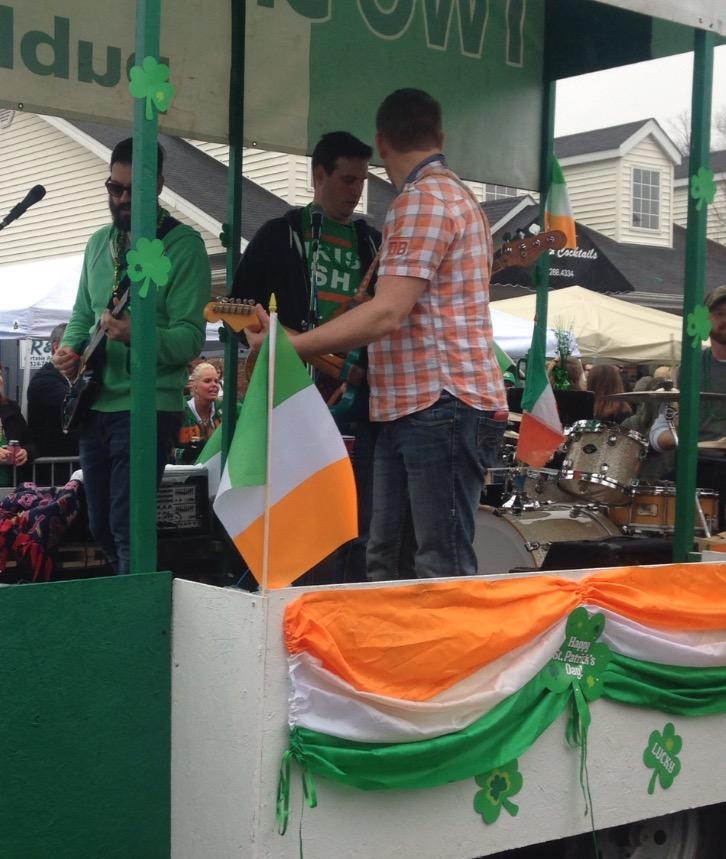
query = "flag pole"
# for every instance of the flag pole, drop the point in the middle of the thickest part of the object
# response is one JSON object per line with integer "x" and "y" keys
{"x": 271, "y": 348}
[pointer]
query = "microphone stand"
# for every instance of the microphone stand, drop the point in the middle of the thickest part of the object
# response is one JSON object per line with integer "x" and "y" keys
{"x": 315, "y": 249}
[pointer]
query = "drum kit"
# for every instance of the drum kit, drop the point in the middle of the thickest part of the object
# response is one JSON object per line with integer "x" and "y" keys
{"x": 595, "y": 494}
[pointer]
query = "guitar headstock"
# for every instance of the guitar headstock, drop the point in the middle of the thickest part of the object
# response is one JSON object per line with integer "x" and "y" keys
{"x": 235, "y": 313}
{"x": 523, "y": 252}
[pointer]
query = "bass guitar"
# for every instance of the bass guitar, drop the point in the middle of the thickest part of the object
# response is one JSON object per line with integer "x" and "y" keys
{"x": 88, "y": 380}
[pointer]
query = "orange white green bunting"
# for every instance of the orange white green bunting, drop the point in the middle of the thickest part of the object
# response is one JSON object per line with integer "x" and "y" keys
{"x": 290, "y": 460}
{"x": 421, "y": 685}
{"x": 375, "y": 644}
{"x": 558, "y": 211}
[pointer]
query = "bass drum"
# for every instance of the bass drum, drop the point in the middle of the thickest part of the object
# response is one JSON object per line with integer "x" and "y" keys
{"x": 506, "y": 541}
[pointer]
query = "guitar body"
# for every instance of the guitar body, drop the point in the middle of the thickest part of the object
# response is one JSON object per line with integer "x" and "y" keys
{"x": 83, "y": 392}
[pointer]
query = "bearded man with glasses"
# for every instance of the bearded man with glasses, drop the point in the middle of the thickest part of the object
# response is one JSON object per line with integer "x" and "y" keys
{"x": 104, "y": 440}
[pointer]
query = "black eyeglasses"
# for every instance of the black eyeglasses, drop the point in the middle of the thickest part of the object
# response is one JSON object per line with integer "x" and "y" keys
{"x": 116, "y": 189}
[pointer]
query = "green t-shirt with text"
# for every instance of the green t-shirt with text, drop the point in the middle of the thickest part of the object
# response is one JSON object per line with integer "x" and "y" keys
{"x": 338, "y": 264}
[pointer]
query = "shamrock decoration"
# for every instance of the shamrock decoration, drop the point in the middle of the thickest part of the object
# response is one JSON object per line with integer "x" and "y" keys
{"x": 660, "y": 755}
{"x": 703, "y": 188}
{"x": 579, "y": 662}
{"x": 146, "y": 262}
{"x": 698, "y": 325}
{"x": 499, "y": 784}
{"x": 151, "y": 81}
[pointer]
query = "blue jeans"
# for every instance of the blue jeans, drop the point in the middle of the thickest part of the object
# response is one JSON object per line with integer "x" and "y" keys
{"x": 427, "y": 482}
{"x": 104, "y": 447}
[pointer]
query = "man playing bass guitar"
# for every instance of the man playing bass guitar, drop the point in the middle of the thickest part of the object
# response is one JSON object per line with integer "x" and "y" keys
{"x": 314, "y": 259}
{"x": 104, "y": 426}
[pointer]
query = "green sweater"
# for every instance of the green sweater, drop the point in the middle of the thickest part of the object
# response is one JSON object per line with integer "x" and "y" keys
{"x": 179, "y": 317}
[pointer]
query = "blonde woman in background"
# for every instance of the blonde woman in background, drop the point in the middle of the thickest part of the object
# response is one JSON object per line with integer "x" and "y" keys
{"x": 202, "y": 412}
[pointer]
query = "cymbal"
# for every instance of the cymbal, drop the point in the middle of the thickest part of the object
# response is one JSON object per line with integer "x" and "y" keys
{"x": 660, "y": 396}
{"x": 511, "y": 434}
{"x": 715, "y": 444}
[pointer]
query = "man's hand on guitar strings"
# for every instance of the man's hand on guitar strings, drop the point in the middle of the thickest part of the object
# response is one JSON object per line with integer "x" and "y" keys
{"x": 65, "y": 360}
{"x": 117, "y": 329}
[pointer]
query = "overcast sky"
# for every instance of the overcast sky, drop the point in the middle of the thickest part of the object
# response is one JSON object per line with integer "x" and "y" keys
{"x": 659, "y": 88}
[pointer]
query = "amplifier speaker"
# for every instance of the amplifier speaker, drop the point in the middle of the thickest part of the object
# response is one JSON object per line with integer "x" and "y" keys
{"x": 608, "y": 552}
{"x": 182, "y": 505}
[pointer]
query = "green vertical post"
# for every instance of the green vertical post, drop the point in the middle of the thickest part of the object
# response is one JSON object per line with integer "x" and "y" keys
{"x": 689, "y": 379}
{"x": 143, "y": 311}
{"x": 234, "y": 209}
{"x": 546, "y": 148}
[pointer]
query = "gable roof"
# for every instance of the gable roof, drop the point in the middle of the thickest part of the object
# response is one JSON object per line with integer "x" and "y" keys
{"x": 717, "y": 161}
{"x": 198, "y": 179}
{"x": 614, "y": 141}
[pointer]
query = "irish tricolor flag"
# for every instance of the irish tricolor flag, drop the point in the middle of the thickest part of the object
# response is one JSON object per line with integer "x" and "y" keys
{"x": 558, "y": 211}
{"x": 540, "y": 433}
{"x": 287, "y": 494}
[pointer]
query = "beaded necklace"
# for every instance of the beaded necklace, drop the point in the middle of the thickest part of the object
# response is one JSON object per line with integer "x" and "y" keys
{"x": 121, "y": 247}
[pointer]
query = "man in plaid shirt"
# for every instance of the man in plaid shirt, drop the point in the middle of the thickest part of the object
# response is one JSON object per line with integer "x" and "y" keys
{"x": 435, "y": 384}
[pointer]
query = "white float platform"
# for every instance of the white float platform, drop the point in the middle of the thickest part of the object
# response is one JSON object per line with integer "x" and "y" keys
{"x": 229, "y": 730}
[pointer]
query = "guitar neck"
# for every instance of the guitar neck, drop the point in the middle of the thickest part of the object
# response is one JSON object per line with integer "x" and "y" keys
{"x": 99, "y": 334}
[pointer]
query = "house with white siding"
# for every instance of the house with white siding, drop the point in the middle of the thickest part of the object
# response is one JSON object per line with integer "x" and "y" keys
{"x": 717, "y": 209}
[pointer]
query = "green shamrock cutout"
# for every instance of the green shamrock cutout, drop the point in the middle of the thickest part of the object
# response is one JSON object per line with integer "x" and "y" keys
{"x": 661, "y": 756}
{"x": 151, "y": 81}
{"x": 703, "y": 188}
{"x": 499, "y": 785}
{"x": 146, "y": 262}
{"x": 580, "y": 661}
{"x": 698, "y": 325}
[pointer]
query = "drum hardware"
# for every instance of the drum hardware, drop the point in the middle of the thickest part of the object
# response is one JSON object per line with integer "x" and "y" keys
{"x": 601, "y": 461}
{"x": 660, "y": 396}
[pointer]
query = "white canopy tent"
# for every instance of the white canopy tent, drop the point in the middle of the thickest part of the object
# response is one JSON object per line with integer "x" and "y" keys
{"x": 37, "y": 296}
{"x": 607, "y": 328}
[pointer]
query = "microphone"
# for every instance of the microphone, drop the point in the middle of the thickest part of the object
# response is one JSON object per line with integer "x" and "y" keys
{"x": 36, "y": 193}
{"x": 316, "y": 217}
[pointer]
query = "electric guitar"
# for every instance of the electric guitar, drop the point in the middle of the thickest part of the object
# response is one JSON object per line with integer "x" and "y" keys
{"x": 85, "y": 387}
{"x": 239, "y": 314}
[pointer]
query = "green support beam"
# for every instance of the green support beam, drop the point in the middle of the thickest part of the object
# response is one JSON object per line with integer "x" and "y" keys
{"x": 143, "y": 312}
{"x": 689, "y": 380}
{"x": 546, "y": 148}
{"x": 234, "y": 209}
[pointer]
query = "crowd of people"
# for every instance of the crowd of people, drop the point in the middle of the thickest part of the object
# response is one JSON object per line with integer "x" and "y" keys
{"x": 430, "y": 407}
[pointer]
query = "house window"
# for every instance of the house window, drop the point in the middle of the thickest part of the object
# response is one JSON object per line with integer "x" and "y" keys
{"x": 646, "y": 198}
{"x": 498, "y": 192}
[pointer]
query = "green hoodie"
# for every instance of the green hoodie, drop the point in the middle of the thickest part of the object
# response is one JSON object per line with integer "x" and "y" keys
{"x": 179, "y": 317}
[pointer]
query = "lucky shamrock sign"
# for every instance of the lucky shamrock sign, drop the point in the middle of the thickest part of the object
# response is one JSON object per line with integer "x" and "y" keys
{"x": 661, "y": 756}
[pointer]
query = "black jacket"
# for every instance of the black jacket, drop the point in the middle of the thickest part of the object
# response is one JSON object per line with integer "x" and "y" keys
{"x": 46, "y": 391}
{"x": 14, "y": 426}
{"x": 274, "y": 261}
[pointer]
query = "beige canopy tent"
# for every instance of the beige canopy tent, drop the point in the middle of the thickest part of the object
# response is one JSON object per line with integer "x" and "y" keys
{"x": 606, "y": 327}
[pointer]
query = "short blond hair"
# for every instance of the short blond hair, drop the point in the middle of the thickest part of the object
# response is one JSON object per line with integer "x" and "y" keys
{"x": 200, "y": 370}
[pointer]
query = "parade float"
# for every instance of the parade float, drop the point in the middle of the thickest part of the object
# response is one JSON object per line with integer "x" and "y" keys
{"x": 450, "y": 718}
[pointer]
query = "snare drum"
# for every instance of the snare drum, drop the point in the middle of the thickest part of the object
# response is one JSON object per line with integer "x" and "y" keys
{"x": 652, "y": 509}
{"x": 601, "y": 461}
{"x": 505, "y": 541}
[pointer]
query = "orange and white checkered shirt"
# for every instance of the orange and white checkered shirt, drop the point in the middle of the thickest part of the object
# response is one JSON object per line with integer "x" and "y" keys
{"x": 436, "y": 231}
